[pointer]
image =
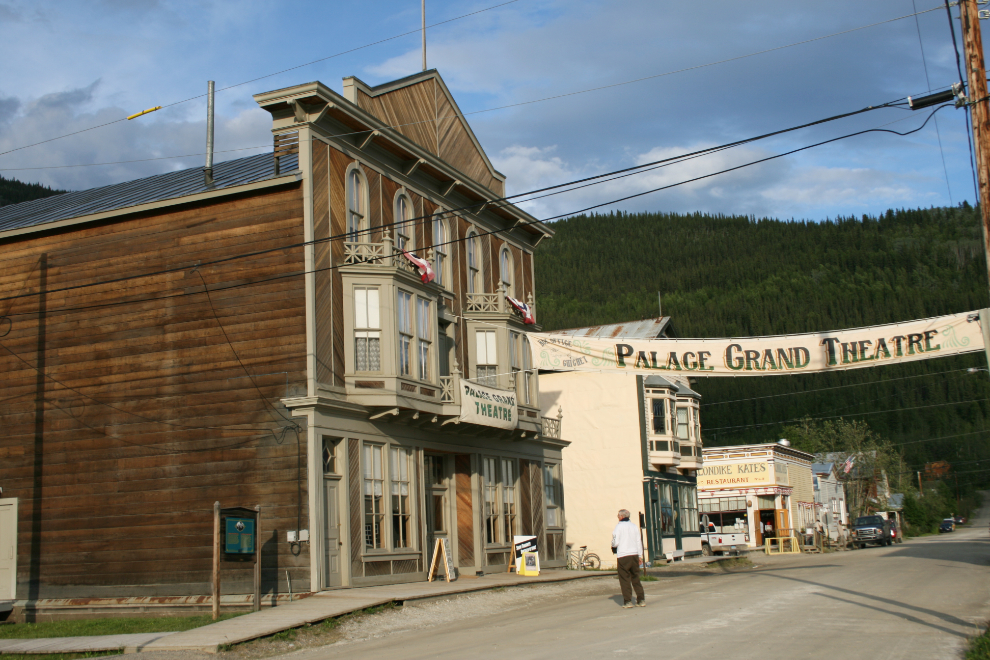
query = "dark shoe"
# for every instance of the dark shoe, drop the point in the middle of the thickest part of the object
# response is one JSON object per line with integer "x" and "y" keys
{"x": 627, "y": 604}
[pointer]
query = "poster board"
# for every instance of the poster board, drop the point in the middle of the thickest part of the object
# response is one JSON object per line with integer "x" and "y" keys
{"x": 530, "y": 564}
{"x": 442, "y": 546}
{"x": 521, "y": 544}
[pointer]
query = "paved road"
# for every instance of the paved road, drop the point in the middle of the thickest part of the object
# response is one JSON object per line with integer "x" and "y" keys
{"x": 919, "y": 599}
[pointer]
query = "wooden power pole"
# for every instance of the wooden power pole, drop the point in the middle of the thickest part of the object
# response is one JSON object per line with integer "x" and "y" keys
{"x": 980, "y": 109}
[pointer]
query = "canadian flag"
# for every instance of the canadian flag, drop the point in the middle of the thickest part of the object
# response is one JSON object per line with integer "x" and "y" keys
{"x": 523, "y": 309}
{"x": 425, "y": 269}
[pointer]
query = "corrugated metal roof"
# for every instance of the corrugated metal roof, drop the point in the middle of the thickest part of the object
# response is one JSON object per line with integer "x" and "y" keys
{"x": 142, "y": 191}
{"x": 645, "y": 329}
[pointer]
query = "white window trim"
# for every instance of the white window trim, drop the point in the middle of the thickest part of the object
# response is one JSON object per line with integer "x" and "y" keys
{"x": 507, "y": 271}
{"x": 441, "y": 249}
{"x": 472, "y": 252}
{"x": 409, "y": 228}
{"x": 363, "y": 234}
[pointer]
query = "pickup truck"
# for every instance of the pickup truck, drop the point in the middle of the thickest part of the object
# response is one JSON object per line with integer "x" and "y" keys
{"x": 871, "y": 529}
{"x": 713, "y": 541}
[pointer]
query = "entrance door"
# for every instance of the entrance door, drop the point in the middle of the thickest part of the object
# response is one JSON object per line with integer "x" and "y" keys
{"x": 331, "y": 538}
{"x": 436, "y": 503}
{"x": 8, "y": 548}
{"x": 783, "y": 520}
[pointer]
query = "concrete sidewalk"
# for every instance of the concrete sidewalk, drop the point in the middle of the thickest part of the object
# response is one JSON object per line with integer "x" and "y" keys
{"x": 324, "y": 605}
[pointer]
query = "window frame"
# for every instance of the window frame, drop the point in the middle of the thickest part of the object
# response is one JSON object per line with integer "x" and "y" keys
{"x": 405, "y": 457}
{"x": 405, "y": 227}
{"x": 423, "y": 325}
{"x": 489, "y": 380}
{"x": 405, "y": 333}
{"x": 552, "y": 495}
{"x": 441, "y": 248}
{"x": 475, "y": 284}
{"x": 364, "y": 329}
{"x": 507, "y": 271}
{"x": 368, "y": 478}
{"x": 356, "y": 231}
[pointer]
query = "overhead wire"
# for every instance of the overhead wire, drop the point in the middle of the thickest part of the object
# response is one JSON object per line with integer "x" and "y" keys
{"x": 614, "y": 173}
{"x": 963, "y": 80}
{"x": 938, "y": 135}
{"x": 502, "y": 107}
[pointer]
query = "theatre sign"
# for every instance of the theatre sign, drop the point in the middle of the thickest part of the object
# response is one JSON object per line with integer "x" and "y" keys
{"x": 939, "y": 336}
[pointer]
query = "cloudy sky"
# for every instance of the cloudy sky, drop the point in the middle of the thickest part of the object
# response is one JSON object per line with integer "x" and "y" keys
{"x": 74, "y": 65}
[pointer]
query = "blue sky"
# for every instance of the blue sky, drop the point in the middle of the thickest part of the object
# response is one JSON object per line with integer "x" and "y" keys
{"x": 72, "y": 65}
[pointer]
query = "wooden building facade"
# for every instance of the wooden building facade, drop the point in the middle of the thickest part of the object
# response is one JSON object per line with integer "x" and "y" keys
{"x": 261, "y": 339}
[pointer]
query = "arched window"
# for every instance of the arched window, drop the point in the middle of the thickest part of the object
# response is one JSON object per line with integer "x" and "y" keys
{"x": 473, "y": 263}
{"x": 405, "y": 229}
{"x": 505, "y": 263}
{"x": 440, "y": 249}
{"x": 357, "y": 205}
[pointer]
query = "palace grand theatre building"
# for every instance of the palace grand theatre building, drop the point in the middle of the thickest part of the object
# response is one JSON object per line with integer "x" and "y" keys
{"x": 258, "y": 337}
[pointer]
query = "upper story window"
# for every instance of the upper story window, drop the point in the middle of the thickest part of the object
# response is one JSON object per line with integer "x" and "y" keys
{"x": 440, "y": 249}
{"x": 506, "y": 269}
{"x": 659, "y": 415}
{"x": 424, "y": 329}
{"x": 406, "y": 330}
{"x": 367, "y": 330}
{"x": 682, "y": 423}
{"x": 697, "y": 426}
{"x": 405, "y": 228}
{"x": 357, "y": 205}
{"x": 474, "y": 284}
{"x": 519, "y": 363}
{"x": 486, "y": 358}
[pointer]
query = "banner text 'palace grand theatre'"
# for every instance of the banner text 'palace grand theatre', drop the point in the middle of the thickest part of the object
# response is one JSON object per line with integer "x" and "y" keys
{"x": 939, "y": 336}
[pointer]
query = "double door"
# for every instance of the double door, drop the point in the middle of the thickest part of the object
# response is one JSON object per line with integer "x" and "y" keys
{"x": 436, "y": 480}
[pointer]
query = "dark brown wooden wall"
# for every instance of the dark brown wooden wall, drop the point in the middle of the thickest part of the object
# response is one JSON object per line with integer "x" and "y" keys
{"x": 146, "y": 413}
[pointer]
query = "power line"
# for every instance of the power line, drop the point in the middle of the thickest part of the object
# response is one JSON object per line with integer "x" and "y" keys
{"x": 827, "y": 389}
{"x": 269, "y": 75}
{"x": 962, "y": 81}
{"x": 548, "y": 188}
{"x": 511, "y": 105}
{"x": 924, "y": 63}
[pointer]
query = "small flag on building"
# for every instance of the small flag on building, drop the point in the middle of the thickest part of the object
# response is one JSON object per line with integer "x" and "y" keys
{"x": 524, "y": 309}
{"x": 425, "y": 269}
{"x": 848, "y": 465}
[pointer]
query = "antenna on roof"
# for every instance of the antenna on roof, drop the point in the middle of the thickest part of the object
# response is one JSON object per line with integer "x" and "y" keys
{"x": 208, "y": 170}
{"x": 423, "y": 7}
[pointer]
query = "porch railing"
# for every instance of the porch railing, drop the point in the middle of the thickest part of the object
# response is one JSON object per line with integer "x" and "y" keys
{"x": 551, "y": 427}
{"x": 484, "y": 302}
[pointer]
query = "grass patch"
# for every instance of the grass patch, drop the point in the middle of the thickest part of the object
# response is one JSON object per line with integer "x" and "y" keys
{"x": 107, "y": 626}
{"x": 979, "y": 647}
{"x": 732, "y": 562}
{"x": 648, "y": 578}
{"x": 59, "y": 656}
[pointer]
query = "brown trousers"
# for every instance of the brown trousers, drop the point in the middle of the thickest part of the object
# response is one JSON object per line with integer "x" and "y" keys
{"x": 629, "y": 578}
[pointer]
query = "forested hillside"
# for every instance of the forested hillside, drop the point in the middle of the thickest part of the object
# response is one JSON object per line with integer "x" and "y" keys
{"x": 13, "y": 191}
{"x": 736, "y": 276}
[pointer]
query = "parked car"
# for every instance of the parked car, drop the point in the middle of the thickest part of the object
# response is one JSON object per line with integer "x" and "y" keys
{"x": 960, "y": 520}
{"x": 947, "y": 526}
{"x": 895, "y": 534}
{"x": 871, "y": 529}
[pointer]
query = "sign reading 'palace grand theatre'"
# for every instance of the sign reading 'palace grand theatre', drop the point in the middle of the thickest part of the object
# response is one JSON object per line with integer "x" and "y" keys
{"x": 487, "y": 406}
{"x": 940, "y": 336}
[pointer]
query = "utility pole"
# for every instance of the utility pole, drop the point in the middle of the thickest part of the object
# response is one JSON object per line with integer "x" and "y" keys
{"x": 980, "y": 110}
{"x": 921, "y": 489}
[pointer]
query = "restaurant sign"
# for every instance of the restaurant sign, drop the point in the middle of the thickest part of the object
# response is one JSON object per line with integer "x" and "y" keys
{"x": 874, "y": 346}
{"x": 735, "y": 475}
{"x": 487, "y": 406}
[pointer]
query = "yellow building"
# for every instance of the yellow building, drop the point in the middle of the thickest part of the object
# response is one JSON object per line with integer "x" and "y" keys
{"x": 764, "y": 490}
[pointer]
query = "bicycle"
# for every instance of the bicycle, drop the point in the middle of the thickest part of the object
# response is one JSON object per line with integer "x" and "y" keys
{"x": 581, "y": 559}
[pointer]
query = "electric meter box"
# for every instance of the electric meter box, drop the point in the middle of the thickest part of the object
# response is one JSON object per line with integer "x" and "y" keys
{"x": 239, "y": 536}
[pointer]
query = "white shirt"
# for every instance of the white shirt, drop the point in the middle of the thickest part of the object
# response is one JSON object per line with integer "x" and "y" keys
{"x": 627, "y": 540}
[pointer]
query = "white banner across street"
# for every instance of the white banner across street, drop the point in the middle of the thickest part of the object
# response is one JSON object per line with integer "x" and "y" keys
{"x": 873, "y": 346}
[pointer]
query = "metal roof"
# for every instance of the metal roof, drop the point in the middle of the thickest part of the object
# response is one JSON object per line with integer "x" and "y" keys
{"x": 142, "y": 191}
{"x": 645, "y": 329}
{"x": 659, "y": 381}
{"x": 822, "y": 468}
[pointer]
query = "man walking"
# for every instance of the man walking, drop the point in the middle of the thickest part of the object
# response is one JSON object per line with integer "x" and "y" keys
{"x": 627, "y": 545}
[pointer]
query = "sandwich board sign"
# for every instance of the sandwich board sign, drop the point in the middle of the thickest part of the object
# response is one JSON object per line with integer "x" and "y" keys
{"x": 442, "y": 546}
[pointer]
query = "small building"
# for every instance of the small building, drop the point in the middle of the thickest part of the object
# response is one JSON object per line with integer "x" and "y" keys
{"x": 635, "y": 443}
{"x": 830, "y": 496}
{"x": 764, "y": 489}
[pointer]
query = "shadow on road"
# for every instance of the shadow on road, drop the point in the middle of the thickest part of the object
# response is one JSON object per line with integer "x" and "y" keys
{"x": 948, "y": 618}
{"x": 901, "y": 615}
{"x": 975, "y": 551}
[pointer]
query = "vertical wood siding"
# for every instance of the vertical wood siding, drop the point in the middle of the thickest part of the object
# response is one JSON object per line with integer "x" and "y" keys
{"x": 323, "y": 279}
{"x": 354, "y": 496}
{"x": 465, "y": 510}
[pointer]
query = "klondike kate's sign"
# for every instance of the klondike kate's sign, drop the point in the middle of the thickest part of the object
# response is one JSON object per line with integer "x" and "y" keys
{"x": 939, "y": 336}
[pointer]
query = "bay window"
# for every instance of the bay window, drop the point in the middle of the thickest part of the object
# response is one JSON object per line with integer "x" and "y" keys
{"x": 425, "y": 336}
{"x": 659, "y": 407}
{"x": 405, "y": 318}
{"x": 367, "y": 330}
{"x": 486, "y": 358}
{"x": 682, "y": 423}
